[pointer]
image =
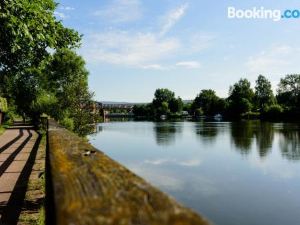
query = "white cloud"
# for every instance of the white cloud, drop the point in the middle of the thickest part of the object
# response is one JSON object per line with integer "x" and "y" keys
{"x": 154, "y": 67}
{"x": 129, "y": 48}
{"x": 189, "y": 64}
{"x": 172, "y": 17}
{"x": 67, "y": 8}
{"x": 138, "y": 49}
{"x": 186, "y": 163}
{"x": 151, "y": 49}
{"x": 190, "y": 163}
{"x": 200, "y": 41}
{"x": 60, "y": 15}
{"x": 279, "y": 59}
{"x": 120, "y": 11}
{"x": 159, "y": 161}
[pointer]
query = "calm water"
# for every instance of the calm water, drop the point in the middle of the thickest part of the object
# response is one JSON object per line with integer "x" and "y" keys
{"x": 233, "y": 173}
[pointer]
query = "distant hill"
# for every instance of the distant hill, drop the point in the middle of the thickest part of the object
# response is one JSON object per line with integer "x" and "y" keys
{"x": 134, "y": 103}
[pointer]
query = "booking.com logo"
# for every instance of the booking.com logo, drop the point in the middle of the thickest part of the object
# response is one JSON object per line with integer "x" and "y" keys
{"x": 262, "y": 13}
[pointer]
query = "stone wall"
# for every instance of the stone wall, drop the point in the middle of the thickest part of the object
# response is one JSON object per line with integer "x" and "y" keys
{"x": 90, "y": 188}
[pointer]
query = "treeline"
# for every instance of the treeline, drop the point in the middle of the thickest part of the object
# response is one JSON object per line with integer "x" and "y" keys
{"x": 40, "y": 71}
{"x": 242, "y": 101}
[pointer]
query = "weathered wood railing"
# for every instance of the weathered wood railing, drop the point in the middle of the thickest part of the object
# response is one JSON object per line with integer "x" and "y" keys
{"x": 89, "y": 188}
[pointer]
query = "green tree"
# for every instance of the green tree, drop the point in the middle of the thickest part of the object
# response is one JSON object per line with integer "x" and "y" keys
{"x": 161, "y": 102}
{"x": 67, "y": 81}
{"x": 209, "y": 102}
{"x": 162, "y": 95}
{"x": 263, "y": 93}
{"x": 143, "y": 110}
{"x": 240, "y": 97}
{"x": 164, "y": 109}
{"x": 289, "y": 91}
{"x": 176, "y": 105}
{"x": 28, "y": 30}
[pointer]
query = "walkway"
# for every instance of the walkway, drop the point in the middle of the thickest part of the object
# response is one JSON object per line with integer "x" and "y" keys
{"x": 18, "y": 149}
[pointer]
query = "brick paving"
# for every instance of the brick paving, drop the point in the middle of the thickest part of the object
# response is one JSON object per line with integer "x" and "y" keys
{"x": 18, "y": 149}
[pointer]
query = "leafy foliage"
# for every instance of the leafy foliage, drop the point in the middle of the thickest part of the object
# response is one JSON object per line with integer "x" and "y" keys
{"x": 263, "y": 93}
{"x": 67, "y": 82}
{"x": 39, "y": 69}
{"x": 289, "y": 91}
{"x": 209, "y": 102}
{"x": 3, "y": 105}
{"x": 240, "y": 97}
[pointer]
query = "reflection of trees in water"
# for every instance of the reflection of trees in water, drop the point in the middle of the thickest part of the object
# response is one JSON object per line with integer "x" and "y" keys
{"x": 206, "y": 131}
{"x": 245, "y": 132}
{"x": 290, "y": 141}
{"x": 242, "y": 134}
{"x": 100, "y": 129}
{"x": 165, "y": 132}
{"x": 264, "y": 134}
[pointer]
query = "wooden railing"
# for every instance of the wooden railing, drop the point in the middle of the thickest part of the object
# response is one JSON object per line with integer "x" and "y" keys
{"x": 89, "y": 188}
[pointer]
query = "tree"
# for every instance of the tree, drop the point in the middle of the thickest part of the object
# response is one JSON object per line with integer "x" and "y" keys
{"x": 28, "y": 30}
{"x": 289, "y": 91}
{"x": 209, "y": 102}
{"x": 163, "y": 98}
{"x": 67, "y": 81}
{"x": 163, "y": 109}
{"x": 240, "y": 97}
{"x": 263, "y": 92}
{"x": 176, "y": 105}
{"x": 162, "y": 95}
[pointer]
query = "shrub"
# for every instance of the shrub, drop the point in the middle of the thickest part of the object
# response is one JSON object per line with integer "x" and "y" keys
{"x": 3, "y": 105}
{"x": 251, "y": 115}
{"x": 67, "y": 123}
{"x": 199, "y": 112}
{"x": 273, "y": 112}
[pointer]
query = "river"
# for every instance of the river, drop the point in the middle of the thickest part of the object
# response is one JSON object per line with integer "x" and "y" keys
{"x": 233, "y": 173}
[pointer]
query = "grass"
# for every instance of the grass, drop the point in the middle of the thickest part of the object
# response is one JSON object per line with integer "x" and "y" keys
{"x": 2, "y": 130}
{"x": 35, "y": 191}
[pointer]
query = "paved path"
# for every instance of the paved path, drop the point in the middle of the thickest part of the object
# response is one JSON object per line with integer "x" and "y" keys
{"x": 18, "y": 149}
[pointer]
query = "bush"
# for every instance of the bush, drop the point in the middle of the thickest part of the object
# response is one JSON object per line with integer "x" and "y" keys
{"x": 199, "y": 112}
{"x": 251, "y": 115}
{"x": 67, "y": 123}
{"x": 273, "y": 112}
{"x": 3, "y": 105}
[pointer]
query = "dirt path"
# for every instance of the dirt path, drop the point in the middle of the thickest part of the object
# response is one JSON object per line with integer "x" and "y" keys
{"x": 18, "y": 149}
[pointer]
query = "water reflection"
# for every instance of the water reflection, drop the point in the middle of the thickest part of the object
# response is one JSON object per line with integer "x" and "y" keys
{"x": 165, "y": 132}
{"x": 226, "y": 188}
{"x": 207, "y": 132}
{"x": 242, "y": 136}
{"x": 290, "y": 141}
{"x": 264, "y": 134}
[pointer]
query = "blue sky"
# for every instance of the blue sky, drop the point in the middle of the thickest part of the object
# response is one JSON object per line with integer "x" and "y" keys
{"x": 133, "y": 47}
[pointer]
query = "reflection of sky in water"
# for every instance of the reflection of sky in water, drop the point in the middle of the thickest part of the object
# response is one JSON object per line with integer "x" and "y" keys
{"x": 233, "y": 173}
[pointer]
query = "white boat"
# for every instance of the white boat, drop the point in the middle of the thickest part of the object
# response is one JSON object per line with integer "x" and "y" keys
{"x": 163, "y": 117}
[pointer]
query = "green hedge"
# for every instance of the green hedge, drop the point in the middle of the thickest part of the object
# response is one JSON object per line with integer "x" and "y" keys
{"x": 3, "y": 105}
